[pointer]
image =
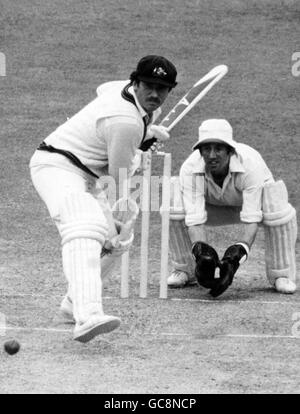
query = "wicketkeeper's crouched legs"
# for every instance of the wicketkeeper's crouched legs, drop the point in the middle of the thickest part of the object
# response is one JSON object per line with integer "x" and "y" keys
{"x": 280, "y": 225}
{"x": 182, "y": 260}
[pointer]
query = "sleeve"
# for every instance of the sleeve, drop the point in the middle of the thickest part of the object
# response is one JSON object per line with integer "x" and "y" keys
{"x": 251, "y": 183}
{"x": 122, "y": 136}
{"x": 252, "y": 198}
{"x": 193, "y": 195}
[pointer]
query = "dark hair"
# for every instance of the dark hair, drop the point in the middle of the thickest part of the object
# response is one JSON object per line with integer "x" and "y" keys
{"x": 134, "y": 77}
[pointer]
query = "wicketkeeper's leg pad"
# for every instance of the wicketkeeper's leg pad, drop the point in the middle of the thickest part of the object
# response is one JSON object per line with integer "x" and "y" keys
{"x": 180, "y": 243}
{"x": 280, "y": 227}
{"x": 83, "y": 229}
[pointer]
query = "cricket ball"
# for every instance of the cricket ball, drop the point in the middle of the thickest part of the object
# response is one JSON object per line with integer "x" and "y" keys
{"x": 12, "y": 347}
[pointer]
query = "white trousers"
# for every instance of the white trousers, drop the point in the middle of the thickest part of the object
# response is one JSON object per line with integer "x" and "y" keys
{"x": 81, "y": 255}
{"x": 53, "y": 184}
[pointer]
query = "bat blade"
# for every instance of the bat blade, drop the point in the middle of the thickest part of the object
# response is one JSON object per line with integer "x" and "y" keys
{"x": 193, "y": 96}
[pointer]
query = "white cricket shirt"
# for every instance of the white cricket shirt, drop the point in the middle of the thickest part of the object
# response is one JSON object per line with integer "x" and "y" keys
{"x": 242, "y": 186}
{"x": 104, "y": 135}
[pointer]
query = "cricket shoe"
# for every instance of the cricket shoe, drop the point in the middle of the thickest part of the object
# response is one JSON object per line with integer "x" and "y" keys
{"x": 66, "y": 309}
{"x": 178, "y": 279}
{"x": 284, "y": 285}
{"x": 95, "y": 325}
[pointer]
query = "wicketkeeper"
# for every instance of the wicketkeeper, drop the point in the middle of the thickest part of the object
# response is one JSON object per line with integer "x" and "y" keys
{"x": 98, "y": 141}
{"x": 226, "y": 182}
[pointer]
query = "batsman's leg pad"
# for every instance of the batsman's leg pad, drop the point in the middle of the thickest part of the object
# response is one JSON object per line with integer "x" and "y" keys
{"x": 82, "y": 218}
{"x": 83, "y": 230}
{"x": 180, "y": 243}
{"x": 280, "y": 227}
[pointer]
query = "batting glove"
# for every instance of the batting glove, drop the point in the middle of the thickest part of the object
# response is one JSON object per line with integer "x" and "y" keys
{"x": 136, "y": 164}
{"x": 125, "y": 213}
{"x": 159, "y": 132}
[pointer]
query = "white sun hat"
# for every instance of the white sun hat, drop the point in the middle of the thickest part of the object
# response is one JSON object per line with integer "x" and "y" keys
{"x": 215, "y": 130}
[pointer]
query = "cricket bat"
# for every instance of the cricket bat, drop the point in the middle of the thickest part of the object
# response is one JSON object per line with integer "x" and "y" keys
{"x": 186, "y": 103}
{"x": 193, "y": 96}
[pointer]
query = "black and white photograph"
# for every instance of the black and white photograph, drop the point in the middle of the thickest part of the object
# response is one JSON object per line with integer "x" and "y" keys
{"x": 149, "y": 209}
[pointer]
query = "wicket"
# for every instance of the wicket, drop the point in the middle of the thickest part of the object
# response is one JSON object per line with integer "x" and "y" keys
{"x": 183, "y": 106}
{"x": 145, "y": 225}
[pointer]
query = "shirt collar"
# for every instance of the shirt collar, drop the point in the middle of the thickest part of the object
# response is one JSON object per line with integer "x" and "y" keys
{"x": 235, "y": 164}
{"x": 139, "y": 107}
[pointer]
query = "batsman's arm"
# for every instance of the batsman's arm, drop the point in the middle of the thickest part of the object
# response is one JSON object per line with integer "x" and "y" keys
{"x": 121, "y": 135}
{"x": 121, "y": 150}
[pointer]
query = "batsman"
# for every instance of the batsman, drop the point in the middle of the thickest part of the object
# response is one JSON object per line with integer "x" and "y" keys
{"x": 226, "y": 182}
{"x": 99, "y": 141}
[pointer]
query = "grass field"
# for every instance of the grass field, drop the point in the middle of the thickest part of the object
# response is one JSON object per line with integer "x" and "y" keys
{"x": 57, "y": 53}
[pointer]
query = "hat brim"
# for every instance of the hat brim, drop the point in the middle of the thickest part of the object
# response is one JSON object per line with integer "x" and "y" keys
{"x": 156, "y": 80}
{"x": 214, "y": 140}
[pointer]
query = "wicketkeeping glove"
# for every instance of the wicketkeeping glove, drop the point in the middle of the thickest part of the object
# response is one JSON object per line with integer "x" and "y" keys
{"x": 207, "y": 261}
{"x": 229, "y": 264}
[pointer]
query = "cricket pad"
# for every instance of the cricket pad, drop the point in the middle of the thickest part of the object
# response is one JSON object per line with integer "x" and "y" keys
{"x": 280, "y": 228}
{"x": 180, "y": 243}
